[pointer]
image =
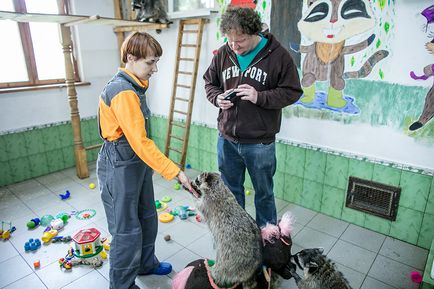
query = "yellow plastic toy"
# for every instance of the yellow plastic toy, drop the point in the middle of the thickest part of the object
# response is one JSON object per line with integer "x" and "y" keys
{"x": 165, "y": 217}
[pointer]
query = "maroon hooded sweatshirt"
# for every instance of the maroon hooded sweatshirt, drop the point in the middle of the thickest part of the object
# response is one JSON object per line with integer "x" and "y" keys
{"x": 274, "y": 76}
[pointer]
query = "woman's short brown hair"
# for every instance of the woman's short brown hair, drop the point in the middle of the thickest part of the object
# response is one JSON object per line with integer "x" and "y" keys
{"x": 140, "y": 45}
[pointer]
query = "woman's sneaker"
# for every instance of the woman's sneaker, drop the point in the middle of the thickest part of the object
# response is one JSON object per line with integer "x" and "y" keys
{"x": 163, "y": 269}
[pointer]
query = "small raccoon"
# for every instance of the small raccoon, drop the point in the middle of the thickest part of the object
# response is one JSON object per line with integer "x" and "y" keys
{"x": 319, "y": 271}
{"x": 236, "y": 236}
{"x": 150, "y": 11}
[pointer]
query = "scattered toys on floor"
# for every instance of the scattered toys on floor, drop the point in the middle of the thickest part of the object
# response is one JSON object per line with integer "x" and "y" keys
{"x": 165, "y": 217}
{"x": 46, "y": 220}
{"x": 36, "y": 264}
{"x": 85, "y": 214}
{"x": 33, "y": 223}
{"x": 32, "y": 245}
{"x": 88, "y": 249}
{"x": 5, "y": 234}
{"x": 183, "y": 212}
{"x": 65, "y": 196}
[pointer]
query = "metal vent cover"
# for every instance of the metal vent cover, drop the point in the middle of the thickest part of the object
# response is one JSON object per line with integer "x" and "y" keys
{"x": 374, "y": 198}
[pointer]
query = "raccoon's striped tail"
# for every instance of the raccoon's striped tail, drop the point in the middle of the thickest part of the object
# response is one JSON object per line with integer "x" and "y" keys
{"x": 369, "y": 64}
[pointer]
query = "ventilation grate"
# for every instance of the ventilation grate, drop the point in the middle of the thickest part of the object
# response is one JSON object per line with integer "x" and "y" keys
{"x": 374, "y": 198}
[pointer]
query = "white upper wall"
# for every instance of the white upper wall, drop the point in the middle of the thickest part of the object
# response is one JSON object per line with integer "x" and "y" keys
{"x": 97, "y": 51}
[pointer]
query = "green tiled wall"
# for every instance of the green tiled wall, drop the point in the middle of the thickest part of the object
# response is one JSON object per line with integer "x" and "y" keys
{"x": 307, "y": 176}
{"x": 41, "y": 150}
{"x": 318, "y": 180}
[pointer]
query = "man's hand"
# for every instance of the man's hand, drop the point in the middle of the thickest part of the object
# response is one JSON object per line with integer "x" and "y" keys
{"x": 247, "y": 92}
{"x": 222, "y": 103}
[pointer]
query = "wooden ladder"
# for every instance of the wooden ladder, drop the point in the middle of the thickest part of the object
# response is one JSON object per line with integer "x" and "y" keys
{"x": 184, "y": 83}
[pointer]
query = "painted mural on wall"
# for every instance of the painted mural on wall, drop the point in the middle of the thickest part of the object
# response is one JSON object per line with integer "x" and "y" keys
{"x": 428, "y": 109}
{"x": 263, "y": 7}
{"x": 335, "y": 31}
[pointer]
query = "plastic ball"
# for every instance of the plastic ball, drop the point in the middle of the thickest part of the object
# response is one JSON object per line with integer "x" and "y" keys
{"x": 167, "y": 238}
{"x": 248, "y": 193}
{"x": 46, "y": 220}
{"x": 92, "y": 186}
{"x": 166, "y": 199}
{"x": 177, "y": 186}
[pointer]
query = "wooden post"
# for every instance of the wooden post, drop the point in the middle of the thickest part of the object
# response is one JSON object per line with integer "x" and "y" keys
{"x": 79, "y": 150}
{"x": 119, "y": 35}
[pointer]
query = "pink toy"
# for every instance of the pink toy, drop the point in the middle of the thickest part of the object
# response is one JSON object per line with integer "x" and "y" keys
{"x": 416, "y": 277}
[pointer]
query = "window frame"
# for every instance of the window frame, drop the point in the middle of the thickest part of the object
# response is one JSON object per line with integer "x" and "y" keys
{"x": 29, "y": 54}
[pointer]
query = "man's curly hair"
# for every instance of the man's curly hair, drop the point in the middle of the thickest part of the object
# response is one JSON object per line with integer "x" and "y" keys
{"x": 242, "y": 19}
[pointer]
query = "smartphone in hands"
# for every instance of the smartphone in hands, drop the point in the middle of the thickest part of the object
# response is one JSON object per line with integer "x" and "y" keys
{"x": 232, "y": 96}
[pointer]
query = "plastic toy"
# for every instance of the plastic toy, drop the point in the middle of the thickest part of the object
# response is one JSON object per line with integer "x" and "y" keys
{"x": 248, "y": 193}
{"x": 36, "y": 264}
{"x": 65, "y": 196}
{"x": 33, "y": 223}
{"x": 48, "y": 235}
{"x": 188, "y": 166}
{"x": 166, "y": 199}
{"x": 416, "y": 277}
{"x": 177, "y": 186}
{"x": 6, "y": 234}
{"x": 57, "y": 224}
{"x": 198, "y": 218}
{"x": 167, "y": 238}
{"x": 46, "y": 220}
{"x": 183, "y": 212}
{"x": 87, "y": 243}
{"x": 71, "y": 259}
{"x": 92, "y": 186}
{"x": 165, "y": 217}
{"x": 63, "y": 239}
{"x": 32, "y": 245}
{"x": 63, "y": 216}
{"x": 85, "y": 214}
{"x": 160, "y": 206}
{"x": 106, "y": 245}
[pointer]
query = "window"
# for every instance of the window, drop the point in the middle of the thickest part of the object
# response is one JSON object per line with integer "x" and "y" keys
{"x": 187, "y": 5}
{"x": 31, "y": 53}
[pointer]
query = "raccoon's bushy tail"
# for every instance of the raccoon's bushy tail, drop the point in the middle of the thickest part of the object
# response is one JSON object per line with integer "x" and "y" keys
{"x": 369, "y": 64}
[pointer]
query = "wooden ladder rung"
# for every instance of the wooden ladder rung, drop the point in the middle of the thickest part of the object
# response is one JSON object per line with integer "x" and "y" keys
{"x": 186, "y": 59}
{"x": 185, "y": 72}
{"x": 180, "y": 112}
{"x": 176, "y": 137}
{"x": 182, "y": 99}
{"x": 190, "y": 31}
{"x": 178, "y": 124}
{"x": 188, "y": 45}
{"x": 183, "y": 85}
{"x": 175, "y": 150}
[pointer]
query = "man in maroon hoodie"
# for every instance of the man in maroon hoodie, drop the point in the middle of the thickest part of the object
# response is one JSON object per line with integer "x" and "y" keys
{"x": 251, "y": 78}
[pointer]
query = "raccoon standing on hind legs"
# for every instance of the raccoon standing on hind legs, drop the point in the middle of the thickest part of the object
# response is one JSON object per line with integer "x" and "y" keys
{"x": 319, "y": 271}
{"x": 150, "y": 11}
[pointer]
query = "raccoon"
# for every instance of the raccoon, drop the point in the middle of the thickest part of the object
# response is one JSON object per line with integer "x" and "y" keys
{"x": 236, "y": 236}
{"x": 319, "y": 271}
{"x": 150, "y": 11}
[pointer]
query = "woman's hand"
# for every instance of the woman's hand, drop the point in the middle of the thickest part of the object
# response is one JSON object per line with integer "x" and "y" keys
{"x": 184, "y": 180}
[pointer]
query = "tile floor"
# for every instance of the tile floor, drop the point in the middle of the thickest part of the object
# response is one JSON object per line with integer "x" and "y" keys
{"x": 368, "y": 260}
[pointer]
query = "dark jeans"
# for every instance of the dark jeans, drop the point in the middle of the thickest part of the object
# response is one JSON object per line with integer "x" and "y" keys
{"x": 260, "y": 161}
